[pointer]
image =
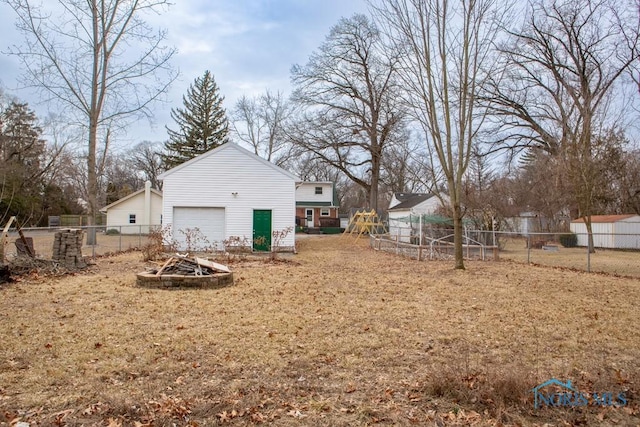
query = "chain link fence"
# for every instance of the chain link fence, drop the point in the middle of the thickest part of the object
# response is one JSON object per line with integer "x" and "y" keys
{"x": 422, "y": 237}
{"x": 115, "y": 239}
{"x": 616, "y": 254}
{"x": 560, "y": 250}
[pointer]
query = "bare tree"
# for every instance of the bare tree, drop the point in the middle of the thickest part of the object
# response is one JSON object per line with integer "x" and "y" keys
{"x": 560, "y": 73}
{"x": 79, "y": 54}
{"x": 404, "y": 168}
{"x": 446, "y": 51}
{"x": 350, "y": 99}
{"x": 540, "y": 187}
{"x": 630, "y": 182}
{"x": 617, "y": 174}
{"x": 147, "y": 161}
{"x": 120, "y": 177}
{"x": 308, "y": 167}
{"x": 478, "y": 192}
{"x": 259, "y": 122}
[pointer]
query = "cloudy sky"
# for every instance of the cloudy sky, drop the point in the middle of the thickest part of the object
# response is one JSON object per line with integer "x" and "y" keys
{"x": 248, "y": 45}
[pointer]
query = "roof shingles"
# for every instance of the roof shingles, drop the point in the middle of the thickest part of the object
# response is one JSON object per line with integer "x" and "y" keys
{"x": 604, "y": 218}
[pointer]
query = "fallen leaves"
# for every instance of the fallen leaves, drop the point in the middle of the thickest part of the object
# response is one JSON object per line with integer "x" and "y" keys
{"x": 171, "y": 406}
{"x": 345, "y": 337}
{"x": 59, "y": 417}
{"x": 225, "y": 417}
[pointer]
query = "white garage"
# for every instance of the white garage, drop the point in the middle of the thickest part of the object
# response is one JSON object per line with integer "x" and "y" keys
{"x": 226, "y": 193}
{"x": 209, "y": 222}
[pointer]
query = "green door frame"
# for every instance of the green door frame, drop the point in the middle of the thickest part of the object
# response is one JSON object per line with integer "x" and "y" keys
{"x": 262, "y": 228}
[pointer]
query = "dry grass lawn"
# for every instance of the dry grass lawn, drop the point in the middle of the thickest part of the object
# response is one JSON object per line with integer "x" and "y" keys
{"x": 610, "y": 261}
{"x": 339, "y": 335}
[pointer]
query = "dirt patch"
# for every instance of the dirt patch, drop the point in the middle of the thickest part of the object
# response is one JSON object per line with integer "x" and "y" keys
{"x": 340, "y": 335}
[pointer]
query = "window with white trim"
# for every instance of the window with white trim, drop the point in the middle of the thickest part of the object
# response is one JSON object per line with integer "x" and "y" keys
{"x": 318, "y": 190}
{"x": 132, "y": 218}
{"x": 325, "y": 212}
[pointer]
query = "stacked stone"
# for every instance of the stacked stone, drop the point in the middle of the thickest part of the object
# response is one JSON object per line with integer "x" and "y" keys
{"x": 67, "y": 248}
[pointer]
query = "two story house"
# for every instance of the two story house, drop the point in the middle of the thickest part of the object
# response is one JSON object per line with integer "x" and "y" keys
{"x": 316, "y": 205}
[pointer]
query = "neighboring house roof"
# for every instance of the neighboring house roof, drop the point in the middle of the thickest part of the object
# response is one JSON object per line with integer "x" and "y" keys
{"x": 605, "y": 218}
{"x": 410, "y": 200}
{"x": 229, "y": 146}
{"x": 401, "y": 197}
{"x": 316, "y": 204}
{"x": 315, "y": 182}
{"x": 130, "y": 196}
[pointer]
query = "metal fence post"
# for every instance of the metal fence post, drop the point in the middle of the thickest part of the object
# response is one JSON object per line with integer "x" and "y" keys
{"x": 528, "y": 248}
{"x": 588, "y": 257}
{"x": 93, "y": 243}
{"x": 119, "y": 238}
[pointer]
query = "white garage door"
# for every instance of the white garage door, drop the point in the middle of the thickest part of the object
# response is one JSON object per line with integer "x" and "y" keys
{"x": 209, "y": 221}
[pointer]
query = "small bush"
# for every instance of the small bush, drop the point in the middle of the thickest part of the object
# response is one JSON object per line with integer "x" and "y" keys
{"x": 159, "y": 241}
{"x": 195, "y": 240}
{"x": 331, "y": 230}
{"x": 569, "y": 240}
{"x": 112, "y": 232}
{"x": 237, "y": 244}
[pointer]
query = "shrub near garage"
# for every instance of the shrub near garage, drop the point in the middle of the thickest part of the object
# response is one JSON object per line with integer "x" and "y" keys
{"x": 568, "y": 240}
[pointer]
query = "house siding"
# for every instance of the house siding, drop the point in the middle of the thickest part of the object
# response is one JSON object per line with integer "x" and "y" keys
{"x": 118, "y": 216}
{"x": 156, "y": 209}
{"x": 317, "y": 215}
{"x": 306, "y": 198}
{"x": 306, "y": 192}
{"x": 211, "y": 181}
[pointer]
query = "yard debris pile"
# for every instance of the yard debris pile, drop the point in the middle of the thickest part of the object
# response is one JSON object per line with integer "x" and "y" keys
{"x": 185, "y": 272}
{"x": 185, "y": 266}
{"x": 24, "y": 265}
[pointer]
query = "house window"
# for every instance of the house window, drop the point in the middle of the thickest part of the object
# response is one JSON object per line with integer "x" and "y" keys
{"x": 324, "y": 212}
{"x": 132, "y": 218}
{"x": 318, "y": 190}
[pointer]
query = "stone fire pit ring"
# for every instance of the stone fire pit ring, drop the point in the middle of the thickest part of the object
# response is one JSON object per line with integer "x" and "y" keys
{"x": 177, "y": 281}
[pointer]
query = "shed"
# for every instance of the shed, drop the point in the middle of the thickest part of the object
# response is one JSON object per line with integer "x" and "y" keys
{"x": 610, "y": 231}
{"x": 404, "y": 206}
{"x": 225, "y": 193}
{"x": 135, "y": 213}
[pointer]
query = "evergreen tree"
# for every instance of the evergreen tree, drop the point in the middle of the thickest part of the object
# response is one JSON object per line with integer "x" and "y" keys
{"x": 202, "y": 123}
{"x": 21, "y": 152}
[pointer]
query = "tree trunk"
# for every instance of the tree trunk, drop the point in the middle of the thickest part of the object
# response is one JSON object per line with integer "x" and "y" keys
{"x": 587, "y": 223}
{"x": 92, "y": 182}
{"x": 94, "y": 115}
{"x": 373, "y": 192}
{"x": 457, "y": 235}
{"x": 376, "y": 160}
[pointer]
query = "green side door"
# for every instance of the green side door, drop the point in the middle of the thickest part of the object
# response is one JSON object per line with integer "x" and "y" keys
{"x": 261, "y": 230}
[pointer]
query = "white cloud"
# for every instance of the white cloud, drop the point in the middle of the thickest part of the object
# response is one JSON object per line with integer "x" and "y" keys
{"x": 248, "y": 45}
